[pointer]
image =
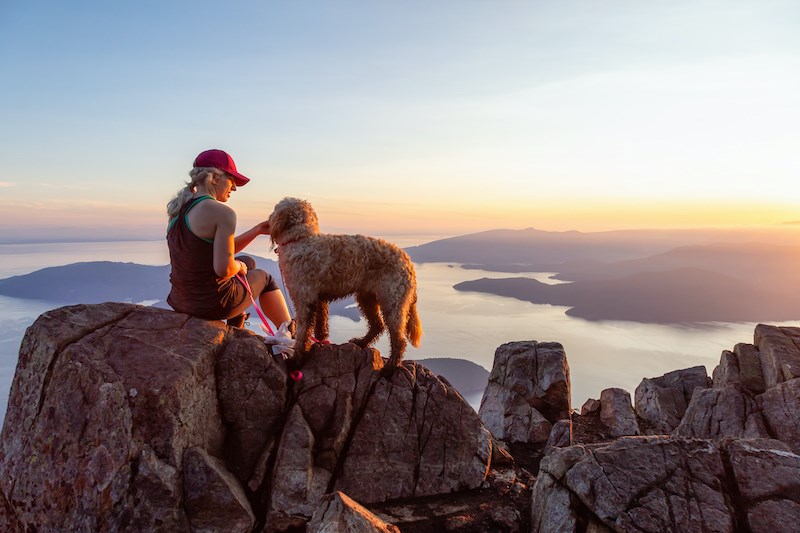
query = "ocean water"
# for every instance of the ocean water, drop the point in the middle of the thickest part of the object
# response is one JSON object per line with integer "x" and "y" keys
{"x": 457, "y": 324}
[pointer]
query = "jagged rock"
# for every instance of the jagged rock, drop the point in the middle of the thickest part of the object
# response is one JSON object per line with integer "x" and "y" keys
{"x": 740, "y": 369}
{"x": 416, "y": 437}
{"x": 102, "y": 407}
{"x": 767, "y": 476}
{"x": 252, "y": 393}
{"x": 124, "y": 409}
{"x": 528, "y": 391}
{"x": 780, "y": 357}
{"x": 718, "y": 413}
{"x": 734, "y": 407}
{"x": 662, "y": 401}
{"x": 639, "y": 484}
{"x": 590, "y": 406}
{"x": 213, "y": 498}
{"x": 780, "y": 407}
{"x": 561, "y": 435}
{"x": 617, "y": 414}
{"x": 656, "y": 484}
{"x": 337, "y": 513}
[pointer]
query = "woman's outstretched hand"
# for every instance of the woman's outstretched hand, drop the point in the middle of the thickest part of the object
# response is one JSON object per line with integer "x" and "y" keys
{"x": 263, "y": 227}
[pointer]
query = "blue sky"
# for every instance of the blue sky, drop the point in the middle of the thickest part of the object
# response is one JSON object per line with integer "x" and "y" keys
{"x": 430, "y": 118}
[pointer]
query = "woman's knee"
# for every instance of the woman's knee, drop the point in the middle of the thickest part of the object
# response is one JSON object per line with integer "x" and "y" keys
{"x": 257, "y": 278}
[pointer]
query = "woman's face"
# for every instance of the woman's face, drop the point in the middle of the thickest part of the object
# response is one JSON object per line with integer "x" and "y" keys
{"x": 223, "y": 188}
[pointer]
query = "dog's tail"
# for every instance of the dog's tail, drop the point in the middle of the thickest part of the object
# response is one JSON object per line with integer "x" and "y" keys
{"x": 413, "y": 325}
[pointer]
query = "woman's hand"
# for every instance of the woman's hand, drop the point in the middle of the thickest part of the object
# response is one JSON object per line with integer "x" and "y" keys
{"x": 242, "y": 267}
{"x": 263, "y": 227}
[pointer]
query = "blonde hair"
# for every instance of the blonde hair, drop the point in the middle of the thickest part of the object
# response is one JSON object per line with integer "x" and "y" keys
{"x": 197, "y": 176}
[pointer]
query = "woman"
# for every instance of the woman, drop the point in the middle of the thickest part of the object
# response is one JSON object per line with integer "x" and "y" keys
{"x": 202, "y": 246}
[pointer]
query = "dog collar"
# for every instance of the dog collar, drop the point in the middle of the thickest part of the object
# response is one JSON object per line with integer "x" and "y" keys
{"x": 290, "y": 241}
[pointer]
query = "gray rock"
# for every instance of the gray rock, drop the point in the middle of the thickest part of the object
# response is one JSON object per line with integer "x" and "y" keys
{"x": 102, "y": 407}
{"x": 780, "y": 408}
{"x": 718, "y": 413}
{"x": 662, "y": 401}
{"x": 780, "y": 357}
{"x": 125, "y": 409}
{"x": 616, "y": 413}
{"x": 561, "y": 435}
{"x": 590, "y": 406}
{"x": 655, "y": 484}
{"x": 528, "y": 391}
{"x": 337, "y": 513}
{"x": 374, "y": 438}
{"x": 251, "y": 388}
{"x": 740, "y": 369}
{"x": 213, "y": 498}
{"x": 650, "y": 484}
{"x": 767, "y": 476}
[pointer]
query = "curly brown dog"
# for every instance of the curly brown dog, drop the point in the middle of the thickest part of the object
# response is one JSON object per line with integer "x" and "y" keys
{"x": 319, "y": 268}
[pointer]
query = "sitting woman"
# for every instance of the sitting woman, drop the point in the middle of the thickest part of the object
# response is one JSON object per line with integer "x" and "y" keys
{"x": 202, "y": 246}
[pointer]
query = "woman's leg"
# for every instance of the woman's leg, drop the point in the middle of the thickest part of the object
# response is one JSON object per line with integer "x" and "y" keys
{"x": 269, "y": 296}
{"x": 274, "y": 306}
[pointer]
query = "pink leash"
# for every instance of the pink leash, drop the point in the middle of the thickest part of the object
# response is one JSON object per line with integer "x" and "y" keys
{"x": 243, "y": 279}
{"x": 296, "y": 375}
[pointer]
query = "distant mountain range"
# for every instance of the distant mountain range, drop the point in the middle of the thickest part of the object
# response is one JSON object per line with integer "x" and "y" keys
{"x": 723, "y": 282}
{"x": 535, "y": 250}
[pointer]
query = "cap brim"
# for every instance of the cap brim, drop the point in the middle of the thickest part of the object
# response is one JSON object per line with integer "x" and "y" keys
{"x": 238, "y": 179}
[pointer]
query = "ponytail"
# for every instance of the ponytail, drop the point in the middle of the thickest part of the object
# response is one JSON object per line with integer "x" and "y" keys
{"x": 197, "y": 176}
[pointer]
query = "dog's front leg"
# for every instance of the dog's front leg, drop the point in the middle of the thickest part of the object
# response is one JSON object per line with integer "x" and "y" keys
{"x": 304, "y": 322}
{"x": 321, "y": 330}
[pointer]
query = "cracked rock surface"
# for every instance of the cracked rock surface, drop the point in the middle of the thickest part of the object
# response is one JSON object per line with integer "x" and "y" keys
{"x": 656, "y": 484}
{"x": 528, "y": 391}
{"x": 129, "y": 418}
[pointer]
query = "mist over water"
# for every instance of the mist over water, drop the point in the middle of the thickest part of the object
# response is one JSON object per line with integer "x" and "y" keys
{"x": 457, "y": 324}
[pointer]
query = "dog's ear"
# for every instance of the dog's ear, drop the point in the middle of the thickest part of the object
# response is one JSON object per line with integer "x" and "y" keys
{"x": 277, "y": 223}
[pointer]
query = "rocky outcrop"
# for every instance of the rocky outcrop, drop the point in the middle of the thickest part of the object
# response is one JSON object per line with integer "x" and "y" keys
{"x": 661, "y": 402}
{"x": 616, "y": 412}
{"x": 731, "y": 463}
{"x": 123, "y": 417}
{"x": 656, "y": 484}
{"x": 528, "y": 391}
{"x": 754, "y": 393}
{"x": 126, "y": 418}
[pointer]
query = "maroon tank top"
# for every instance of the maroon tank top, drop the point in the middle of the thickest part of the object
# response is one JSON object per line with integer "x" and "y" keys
{"x": 196, "y": 288}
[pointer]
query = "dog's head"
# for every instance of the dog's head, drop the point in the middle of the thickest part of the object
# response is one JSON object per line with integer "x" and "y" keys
{"x": 292, "y": 219}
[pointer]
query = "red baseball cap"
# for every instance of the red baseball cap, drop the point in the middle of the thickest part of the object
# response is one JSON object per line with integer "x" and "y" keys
{"x": 221, "y": 160}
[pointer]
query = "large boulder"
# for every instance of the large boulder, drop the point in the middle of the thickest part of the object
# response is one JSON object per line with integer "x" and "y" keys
{"x": 372, "y": 438}
{"x": 616, "y": 412}
{"x": 124, "y": 417}
{"x": 752, "y": 395}
{"x": 780, "y": 357}
{"x": 104, "y": 402}
{"x": 654, "y": 484}
{"x": 528, "y": 391}
{"x": 740, "y": 369}
{"x": 661, "y": 402}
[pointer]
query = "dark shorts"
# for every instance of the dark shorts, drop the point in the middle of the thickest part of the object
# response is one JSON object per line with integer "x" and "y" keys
{"x": 240, "y": 304}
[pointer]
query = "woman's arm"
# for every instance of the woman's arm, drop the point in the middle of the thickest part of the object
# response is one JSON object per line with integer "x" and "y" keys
{"x": 247, "y": 237}
{"x": 225, "y": 265}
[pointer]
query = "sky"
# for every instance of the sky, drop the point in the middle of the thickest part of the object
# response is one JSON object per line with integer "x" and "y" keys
{"x": 410, "y": 118}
